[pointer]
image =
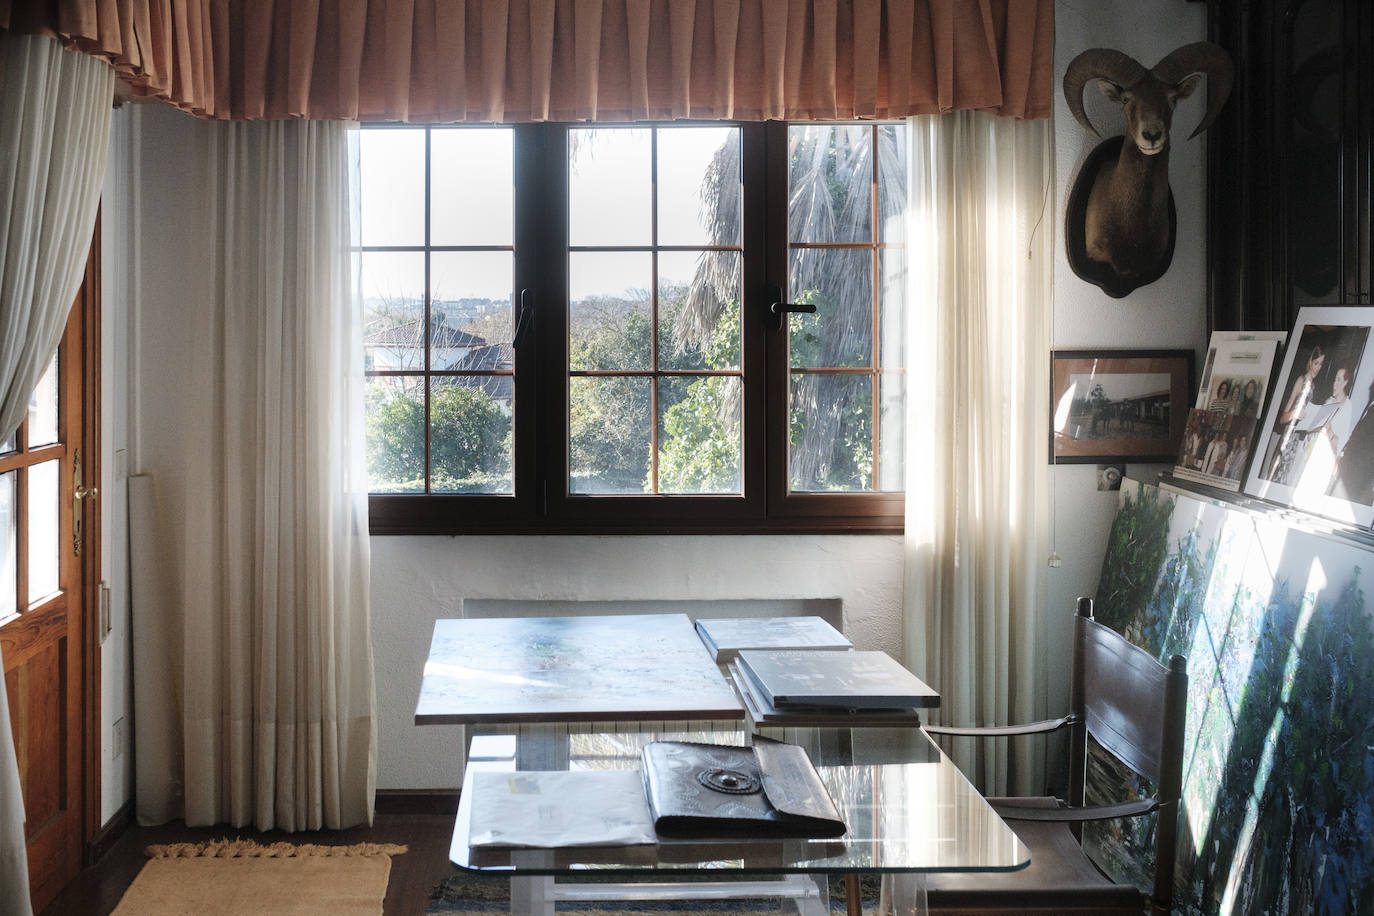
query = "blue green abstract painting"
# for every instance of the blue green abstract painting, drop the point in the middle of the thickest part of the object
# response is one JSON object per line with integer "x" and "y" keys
{"x": 1279, "y": 763}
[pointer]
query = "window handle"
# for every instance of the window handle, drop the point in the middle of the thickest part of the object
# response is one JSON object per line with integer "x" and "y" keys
{"x": 526, "y": 317}
{"x": 778, "y": 308}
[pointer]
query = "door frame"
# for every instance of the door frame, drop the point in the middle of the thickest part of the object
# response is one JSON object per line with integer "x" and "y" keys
{"x": 89, "y": 301}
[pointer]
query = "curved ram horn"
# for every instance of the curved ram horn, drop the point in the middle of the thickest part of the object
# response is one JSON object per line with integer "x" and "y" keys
{"x": 1199, "y": 57}
{"x": 1098, "y": 63}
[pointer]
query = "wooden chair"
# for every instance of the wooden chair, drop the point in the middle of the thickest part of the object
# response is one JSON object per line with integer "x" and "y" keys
{"x": 1134, "y": 707}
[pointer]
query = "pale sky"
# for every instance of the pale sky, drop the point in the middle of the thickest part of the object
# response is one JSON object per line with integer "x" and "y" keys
{"x": 609, "y": 201}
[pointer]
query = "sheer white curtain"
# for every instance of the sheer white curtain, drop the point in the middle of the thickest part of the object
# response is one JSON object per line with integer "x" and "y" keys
{"x": 977, "y": 415}
{"x": 54, "y": 136}
{"x": 252, "y": 548}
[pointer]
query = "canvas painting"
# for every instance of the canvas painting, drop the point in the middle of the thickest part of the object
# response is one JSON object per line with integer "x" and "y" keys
{"x": 1315, "y": 449}
{"x": 1278, "y": 795}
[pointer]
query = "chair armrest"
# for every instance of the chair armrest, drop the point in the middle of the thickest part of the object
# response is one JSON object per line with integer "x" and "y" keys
{"x": 993, "y": 731}
{"x": 1008, "y": 809}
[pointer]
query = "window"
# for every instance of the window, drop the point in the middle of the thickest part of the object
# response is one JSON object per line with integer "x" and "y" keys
{"x": 582, "y": 328}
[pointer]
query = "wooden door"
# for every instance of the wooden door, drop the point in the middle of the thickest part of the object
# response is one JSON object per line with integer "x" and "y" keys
{"x": 42, "y": 612}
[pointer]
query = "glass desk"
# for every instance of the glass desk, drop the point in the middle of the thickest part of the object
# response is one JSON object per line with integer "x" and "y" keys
{"x": 588, "y": 693}
{"x": 907, "y": 807}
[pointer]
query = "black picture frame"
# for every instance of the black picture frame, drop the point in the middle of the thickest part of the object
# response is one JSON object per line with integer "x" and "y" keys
{"x": 1110, "y": 406}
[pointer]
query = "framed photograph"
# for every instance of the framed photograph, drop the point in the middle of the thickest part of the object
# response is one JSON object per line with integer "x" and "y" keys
{"x": 1112, "y": 406}
{"x": 1315, "y": 447}
{"x": 1219, "y": 437}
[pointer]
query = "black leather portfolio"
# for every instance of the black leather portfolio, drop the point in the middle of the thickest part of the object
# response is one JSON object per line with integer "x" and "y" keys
{"x": 711, "y": 790}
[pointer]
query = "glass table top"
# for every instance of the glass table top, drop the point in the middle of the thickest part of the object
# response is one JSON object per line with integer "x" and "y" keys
{"x": 906, "y": 806}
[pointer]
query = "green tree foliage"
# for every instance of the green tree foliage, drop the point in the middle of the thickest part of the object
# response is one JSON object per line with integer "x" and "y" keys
{"x": 470, "y": 441}
{"x": 699, "y": 451}
{"x": 608, "y": 417}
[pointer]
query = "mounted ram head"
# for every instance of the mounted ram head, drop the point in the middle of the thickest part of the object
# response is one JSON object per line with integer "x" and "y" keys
{"x": 1120, "y": 224}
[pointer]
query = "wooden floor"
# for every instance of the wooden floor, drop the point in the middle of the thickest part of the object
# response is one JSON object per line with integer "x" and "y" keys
{"x": 414, "y": 875}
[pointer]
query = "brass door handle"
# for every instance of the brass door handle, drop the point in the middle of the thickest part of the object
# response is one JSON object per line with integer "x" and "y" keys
{"x": 86, "y": 493}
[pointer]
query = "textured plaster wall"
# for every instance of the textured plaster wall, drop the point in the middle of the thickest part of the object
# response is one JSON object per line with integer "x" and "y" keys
{"x": 1169, "y": 313}
{"x": 416, "y": 580}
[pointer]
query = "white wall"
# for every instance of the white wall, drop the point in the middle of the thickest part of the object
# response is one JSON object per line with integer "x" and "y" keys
{"x": 118, "y": 274}
{"x": 416, "y": 580}
{"x": 1169, "y": 313}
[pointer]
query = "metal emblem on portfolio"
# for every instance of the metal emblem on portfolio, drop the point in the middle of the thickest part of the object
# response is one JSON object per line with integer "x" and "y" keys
{"x": 732, "y": 782}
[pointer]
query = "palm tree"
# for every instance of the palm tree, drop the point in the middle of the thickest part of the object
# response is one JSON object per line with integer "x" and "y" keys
{"x": 830, "y": 201}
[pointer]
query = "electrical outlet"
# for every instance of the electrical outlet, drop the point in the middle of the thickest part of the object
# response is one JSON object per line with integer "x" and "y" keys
{"x": 105, "y": 623}
{"x": 117, "y": 738}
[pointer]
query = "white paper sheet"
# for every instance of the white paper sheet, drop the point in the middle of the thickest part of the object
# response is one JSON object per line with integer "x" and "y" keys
{"x": 547, "y": 809}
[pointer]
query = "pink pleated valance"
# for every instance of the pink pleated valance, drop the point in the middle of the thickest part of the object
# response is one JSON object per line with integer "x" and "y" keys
{"x": 536, "y": 60}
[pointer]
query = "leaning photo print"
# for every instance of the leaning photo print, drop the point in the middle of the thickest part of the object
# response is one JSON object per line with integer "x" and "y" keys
{"x": 1315, "y": 448}
{"x": 1118, "y": 405}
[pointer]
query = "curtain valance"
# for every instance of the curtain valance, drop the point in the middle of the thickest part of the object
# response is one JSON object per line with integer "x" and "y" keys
{"x": 537, "y": 60}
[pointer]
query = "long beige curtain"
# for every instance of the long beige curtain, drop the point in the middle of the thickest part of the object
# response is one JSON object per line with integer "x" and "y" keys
{"x": 250, "y": 506}
{"x": 978, "y": 418}
{"x": 535, "y": 60}
{"x": 54, "y": 133}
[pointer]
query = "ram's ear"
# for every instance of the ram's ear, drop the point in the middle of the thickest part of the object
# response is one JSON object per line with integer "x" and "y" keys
{"x": 1186, "y": 86}
{"x": 1112, "y": 91}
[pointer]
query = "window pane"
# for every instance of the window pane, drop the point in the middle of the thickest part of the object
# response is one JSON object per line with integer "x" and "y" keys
{"x": 395, "y": 408}
{"x": 393, "y": 289}
{"x": 892, "y": 432}
{"x": 43, "y": 408}
{"x": 472, "y": 432}
{"x": 9, "y": 547}
{"x": 699, "y": 190}
{"x": 9, "y": 444}
{"x": 43, "y": 530}
{"x": 609, "y": 321}
{"x": 609, "y": 186}
{"x": 892, "y": 180}
{"x": 473, "y": 188}
{"x": 698, "y": 310}
{"x": 471, "y": 309}
{"x": 392, "y": 186}
{"x": 892, "y": 308}
{"x": 830, "y": 427}
{"x": 610, "y": 422}
{"x": 839, "y": 334}
{"x": 699, "y": 435}
{"x": 830, "y": 183}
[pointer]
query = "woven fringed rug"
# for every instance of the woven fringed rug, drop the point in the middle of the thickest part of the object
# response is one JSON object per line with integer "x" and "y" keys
{"x": 233, "y": 877}
{"x": 478, "y": 895}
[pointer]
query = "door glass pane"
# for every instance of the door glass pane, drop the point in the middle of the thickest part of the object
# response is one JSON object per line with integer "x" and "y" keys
{"x": 609, "y": 320}
{"x": 830, "y": 183}
{"x": 698, "y": 310}
{"x": 472, "y": 431}
{"x": 610, "y": 422}
{"x": 473, "y": 186}
{"x": 43, "y": 408}
{"x": 9, "y": 547}
{"x": 610, "y": 186}
{"x": 699, "y": 435}
{"x": 395, "y": 416}
{"x": 392, "y": 179}
{"x": 470, "y": 308}
{"x": 830, "y": 427}
{"x": 699, "y": 189}
{"x": 393, "y": 289}
{"x": 43, "y": 530}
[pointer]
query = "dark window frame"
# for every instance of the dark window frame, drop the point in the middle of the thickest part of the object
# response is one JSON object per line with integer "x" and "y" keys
{"x": 541, "y": 503}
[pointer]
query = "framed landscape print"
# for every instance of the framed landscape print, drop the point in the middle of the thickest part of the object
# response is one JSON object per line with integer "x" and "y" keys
{"x": 1315, "y": 448}
{"x": 1111, "y": 406}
